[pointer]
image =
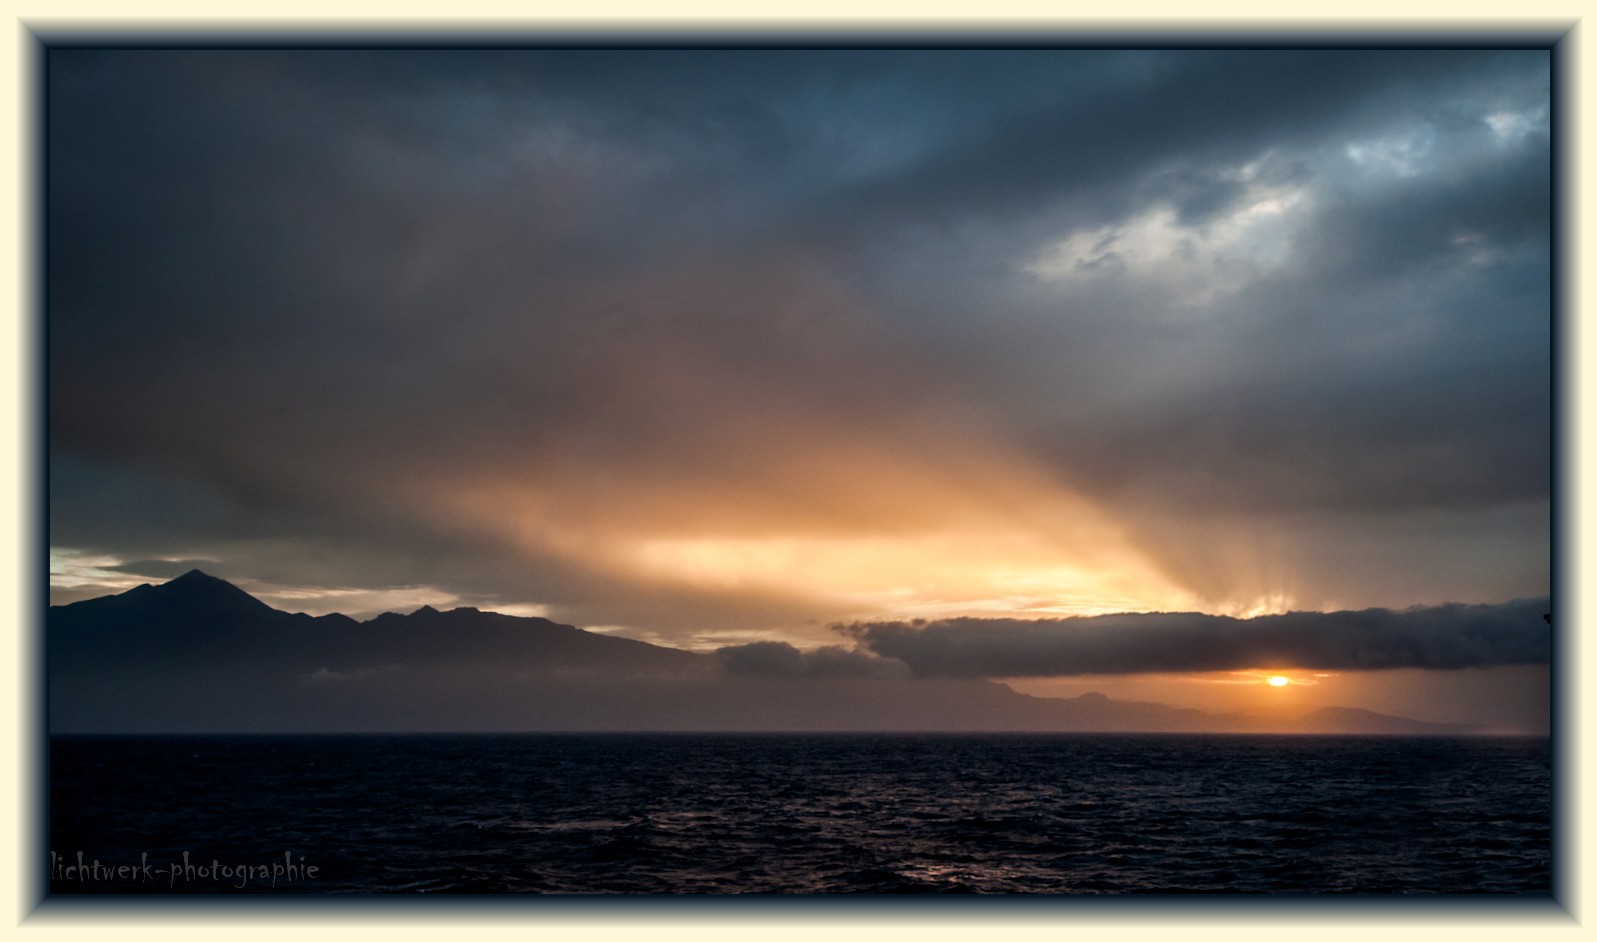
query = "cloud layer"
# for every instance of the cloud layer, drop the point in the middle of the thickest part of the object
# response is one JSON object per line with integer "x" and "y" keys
{"x": 712, "y": 343}
{"x": 1446, "y": 637}
{"x": 779, "y": 659}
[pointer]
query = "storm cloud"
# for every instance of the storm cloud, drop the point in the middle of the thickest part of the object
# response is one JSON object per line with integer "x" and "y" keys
{"x": 717, "y": 345}
{"x": 1446, "y": 637}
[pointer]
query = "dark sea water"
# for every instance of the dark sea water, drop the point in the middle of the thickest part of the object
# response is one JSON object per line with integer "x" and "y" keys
{"x": 649, "y": 814}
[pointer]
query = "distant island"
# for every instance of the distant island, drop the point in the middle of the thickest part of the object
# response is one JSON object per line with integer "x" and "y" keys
{"x": 199, "y": 655}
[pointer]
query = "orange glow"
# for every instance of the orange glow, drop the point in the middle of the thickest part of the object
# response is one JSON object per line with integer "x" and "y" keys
{"x": 1279, "y": 681}
{"x": 1062, "y": 558}
{"x": 924, "y": 576}
{"x": 866, "y": 531}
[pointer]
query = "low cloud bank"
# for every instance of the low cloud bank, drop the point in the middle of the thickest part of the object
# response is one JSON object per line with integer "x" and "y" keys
{"x": 780, "y": 659}
{"x": 1443, "y": 637}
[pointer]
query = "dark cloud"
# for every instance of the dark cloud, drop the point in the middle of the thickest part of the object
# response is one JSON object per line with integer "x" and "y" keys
{"x": 1447, "y": 637}
{"x": 1076, "y": 150}
{"x": 524, "y": 324}
{"x": 780, "y": 659}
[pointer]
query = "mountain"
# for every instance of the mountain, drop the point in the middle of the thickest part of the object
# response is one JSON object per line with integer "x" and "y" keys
{"x": 198, "y": 654}
{"x": 194, "y": 618}
{"x": 200, "y": 617}
{"x": 1353, "y": 720}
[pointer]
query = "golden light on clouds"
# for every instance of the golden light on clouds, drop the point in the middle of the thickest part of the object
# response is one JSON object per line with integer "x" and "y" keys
{"x": 916, "y": 576}
{"x": 985, "y": 534}
{"x": 1080, "y": 566}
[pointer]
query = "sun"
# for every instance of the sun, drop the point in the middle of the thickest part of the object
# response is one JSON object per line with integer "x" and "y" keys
{"x": 1279, "y": 681}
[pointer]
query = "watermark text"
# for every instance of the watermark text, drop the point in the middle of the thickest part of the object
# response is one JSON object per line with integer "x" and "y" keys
{"x": 82, "y": 869}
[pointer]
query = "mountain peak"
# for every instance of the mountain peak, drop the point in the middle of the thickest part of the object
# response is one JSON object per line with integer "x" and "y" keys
{"x": 195, "y": 577}
{"x": 200, "y": 588}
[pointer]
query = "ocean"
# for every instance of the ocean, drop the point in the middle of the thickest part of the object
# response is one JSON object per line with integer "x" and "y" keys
{"x": 798, "y": 814}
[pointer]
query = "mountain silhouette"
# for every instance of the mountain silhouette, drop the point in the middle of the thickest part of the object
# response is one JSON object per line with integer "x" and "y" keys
{"x": 197, "y": 616}
{"x": 191, "y": 597}
{"x": 198, "y": 654}
{"x": 194, "y": 618}
{"x": 1355, "y": 720}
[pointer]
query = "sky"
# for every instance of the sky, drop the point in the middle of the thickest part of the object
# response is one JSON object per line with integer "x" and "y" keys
{"x": 860, "y": 348}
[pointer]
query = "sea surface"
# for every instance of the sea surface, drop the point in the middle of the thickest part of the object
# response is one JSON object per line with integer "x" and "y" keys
{"x": 807, "y": 814}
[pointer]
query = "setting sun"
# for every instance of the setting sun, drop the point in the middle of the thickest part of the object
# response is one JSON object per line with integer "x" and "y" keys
{"x": 1279, "y": 681}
